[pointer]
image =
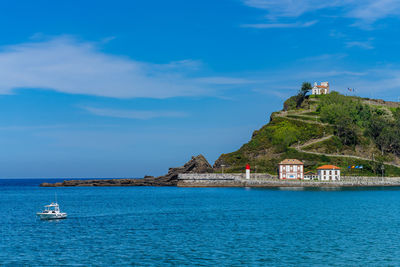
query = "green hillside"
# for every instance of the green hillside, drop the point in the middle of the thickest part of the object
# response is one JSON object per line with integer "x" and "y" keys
{"x": 328, "y": 129}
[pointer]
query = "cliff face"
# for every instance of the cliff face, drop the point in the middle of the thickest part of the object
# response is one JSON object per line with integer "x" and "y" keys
{"x": 329, "y": 129}
{"x": 197, "y": 164}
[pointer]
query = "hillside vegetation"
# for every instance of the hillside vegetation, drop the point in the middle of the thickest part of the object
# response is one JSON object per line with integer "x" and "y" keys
{"x": 327, "y": 129}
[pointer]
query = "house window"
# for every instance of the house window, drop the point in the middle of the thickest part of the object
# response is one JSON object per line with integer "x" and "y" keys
{"x": 330, "y": 172}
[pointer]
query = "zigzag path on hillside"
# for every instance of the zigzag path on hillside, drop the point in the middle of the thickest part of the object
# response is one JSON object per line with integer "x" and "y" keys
{"x": 284, "y": 114}
{"x": 343, "y": 156}
{"x": 314, "y": 141}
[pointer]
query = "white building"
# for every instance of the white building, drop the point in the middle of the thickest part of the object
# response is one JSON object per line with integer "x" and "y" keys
{"x": 328, "y": 173}
{"x": 322, "y": 89}
{"x": 291, "y": 169}
{"x": 310, "y": 176}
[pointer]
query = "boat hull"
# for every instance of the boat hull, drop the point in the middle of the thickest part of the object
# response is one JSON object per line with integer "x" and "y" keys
{"x": 52, "y": 216}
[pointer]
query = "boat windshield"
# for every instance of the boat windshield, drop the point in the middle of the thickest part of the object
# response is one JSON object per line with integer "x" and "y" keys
{"x": 52, "y": 207}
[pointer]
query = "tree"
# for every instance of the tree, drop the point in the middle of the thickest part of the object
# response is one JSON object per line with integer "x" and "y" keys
{"x": 305, "y": 88}
{"x": 375, "y": 126}
{"x": 389, "y": 140}
{"x": 346, "y": 130}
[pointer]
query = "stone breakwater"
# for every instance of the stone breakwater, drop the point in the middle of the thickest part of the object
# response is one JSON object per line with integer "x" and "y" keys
{"x": 265, "y": 180}
{"x": 197, "y": 165}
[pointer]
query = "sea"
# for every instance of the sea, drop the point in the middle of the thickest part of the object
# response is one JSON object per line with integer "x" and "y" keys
{"x": 170, "y": 226}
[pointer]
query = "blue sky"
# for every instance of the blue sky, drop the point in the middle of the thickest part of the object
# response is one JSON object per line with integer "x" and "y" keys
{"x": 128, "y": 88}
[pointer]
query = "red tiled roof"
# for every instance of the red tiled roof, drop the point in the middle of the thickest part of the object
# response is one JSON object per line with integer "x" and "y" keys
{"x": 328, "y": 167}
{"x": 291, "y": 161}
{"x": 321, "y": 86}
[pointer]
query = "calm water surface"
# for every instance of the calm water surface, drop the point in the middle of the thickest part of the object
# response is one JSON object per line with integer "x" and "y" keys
{"x": 200, "y": 226}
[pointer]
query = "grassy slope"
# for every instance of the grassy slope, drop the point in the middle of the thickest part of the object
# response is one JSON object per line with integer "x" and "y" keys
{"x": 275, "y": 141}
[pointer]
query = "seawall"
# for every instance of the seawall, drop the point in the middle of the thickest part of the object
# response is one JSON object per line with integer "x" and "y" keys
{"x": 265, "y": 180}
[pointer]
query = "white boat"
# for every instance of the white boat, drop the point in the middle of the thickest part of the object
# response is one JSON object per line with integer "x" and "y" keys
{"x": 51, "y": 212}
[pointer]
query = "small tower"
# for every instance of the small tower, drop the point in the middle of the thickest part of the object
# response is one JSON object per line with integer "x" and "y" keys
{"x": 247, "y": 171}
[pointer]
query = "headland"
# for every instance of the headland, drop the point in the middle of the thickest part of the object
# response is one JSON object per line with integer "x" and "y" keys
{"x": 357, "y": 138}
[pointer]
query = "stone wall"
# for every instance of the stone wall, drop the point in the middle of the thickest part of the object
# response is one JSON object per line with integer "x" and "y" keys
{"x": 265, "y": 180}
{"x": 210, "y": 179}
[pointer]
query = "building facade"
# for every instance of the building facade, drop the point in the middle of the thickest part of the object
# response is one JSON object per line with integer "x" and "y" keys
{"x": 291, "y": 169}
{"x": 328, "y": 173}
{"x": 322, "y": 89}
{"x": 310, "y": 176}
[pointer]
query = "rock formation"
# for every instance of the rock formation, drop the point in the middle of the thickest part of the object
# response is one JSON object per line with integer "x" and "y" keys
{"x": 197, "y": 164}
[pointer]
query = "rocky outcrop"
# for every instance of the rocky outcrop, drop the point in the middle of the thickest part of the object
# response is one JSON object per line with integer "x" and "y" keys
{"x": 197, "y": 164}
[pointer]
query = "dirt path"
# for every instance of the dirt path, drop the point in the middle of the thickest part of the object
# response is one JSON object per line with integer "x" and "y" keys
{"x": 306, "y": 121}
{"x": 314, "y": 141}
{"x": 285, "y": 115}
{"x": 342, "y": 156}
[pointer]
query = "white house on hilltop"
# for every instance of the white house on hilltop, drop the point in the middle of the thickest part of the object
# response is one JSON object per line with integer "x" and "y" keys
{"x": 322, "y": 89}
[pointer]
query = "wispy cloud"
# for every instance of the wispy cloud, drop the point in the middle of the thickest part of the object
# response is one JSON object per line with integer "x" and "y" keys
{"x": 34, "y": 127}
{"x": 289, "y": 8}
{"x": 135, "y": 114}
{"x": 280, "y": 25}
{"x": 66, "y": 65}
{"x": 224, "y": 80}
{"x": 365, "y": 12}
{"x": 365, "y": 45}
{"x": 382, "y": 82}
{"x": 371, "y": 10}
{"x": 325, "y": 57}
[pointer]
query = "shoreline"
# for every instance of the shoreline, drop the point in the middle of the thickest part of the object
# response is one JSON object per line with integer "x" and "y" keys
{"x": 229, "y": 180}
{"x": 290, "y": 185}
{"x": 265, "y": 180}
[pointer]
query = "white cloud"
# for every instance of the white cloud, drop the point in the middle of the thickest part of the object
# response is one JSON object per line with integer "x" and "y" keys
{"x": 135, "y": 114}
{"x": 325, "y": 57}
{"x": 280, "y": 25}
{"x": 224, "y": 80}
{"x": 382, "y": 82}
{"x": 66, "y": 65}
{"x": 365, "y": 12}
{"x": 289, "y": 8}
{"x": 372, "y": 10}
{"x": 336, "y": 73}
{"x": 365, "y": 45}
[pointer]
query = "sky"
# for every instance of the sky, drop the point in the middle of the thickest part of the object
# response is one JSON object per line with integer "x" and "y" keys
{"x": 131, "y": 88}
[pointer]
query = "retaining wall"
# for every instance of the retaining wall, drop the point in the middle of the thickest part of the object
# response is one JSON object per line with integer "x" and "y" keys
{"x": 266, "y": 180}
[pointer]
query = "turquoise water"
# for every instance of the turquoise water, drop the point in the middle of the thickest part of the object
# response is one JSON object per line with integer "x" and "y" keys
{"x": 200, "y": 226}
